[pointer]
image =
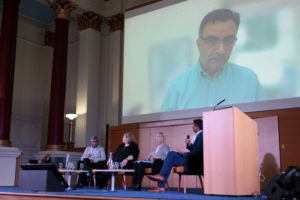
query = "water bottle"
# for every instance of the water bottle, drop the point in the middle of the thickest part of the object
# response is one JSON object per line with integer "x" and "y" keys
{"x": 110, "y": 161}
{"x": 67, "y": 161}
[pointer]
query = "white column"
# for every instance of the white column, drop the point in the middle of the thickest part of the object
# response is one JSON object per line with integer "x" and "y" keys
{"x": 88, "y": 92}
{"x": 98, "y": 86}
{"x": 113, "y": 83}
{"x": 109, "y": 101}
{"x": 9, "y": 158}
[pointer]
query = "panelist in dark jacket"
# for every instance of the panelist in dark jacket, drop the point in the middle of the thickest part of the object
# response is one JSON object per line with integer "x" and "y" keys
{"x": 125, "y": 155}
{"x": 127, "y": 152}
{"x": 178, "y": 158}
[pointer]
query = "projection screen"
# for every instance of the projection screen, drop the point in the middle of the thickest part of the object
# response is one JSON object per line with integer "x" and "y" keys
{"x": 160, "y": 46}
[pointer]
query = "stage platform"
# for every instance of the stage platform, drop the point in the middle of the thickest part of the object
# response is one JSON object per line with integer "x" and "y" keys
{"x": 13, "y": 193}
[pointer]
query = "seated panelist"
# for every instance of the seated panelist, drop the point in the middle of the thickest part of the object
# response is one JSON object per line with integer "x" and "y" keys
{"x": 154, "y": 160}
{"x": 178, "y": 158}
{"x": 93, "y": 157}
{"x": 125, "y": 155}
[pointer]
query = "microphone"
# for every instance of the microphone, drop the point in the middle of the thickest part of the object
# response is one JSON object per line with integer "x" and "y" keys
{"x": 187, "y": 137}
{"x": 218, "y": 104}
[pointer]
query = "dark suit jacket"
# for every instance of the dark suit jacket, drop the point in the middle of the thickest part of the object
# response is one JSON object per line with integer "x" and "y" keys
{"x": 195, "y": 156}
{"x": 196, "y": 149}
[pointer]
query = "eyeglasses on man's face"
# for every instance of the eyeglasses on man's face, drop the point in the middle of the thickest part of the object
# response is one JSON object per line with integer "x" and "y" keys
{"x": 214, "y": 41}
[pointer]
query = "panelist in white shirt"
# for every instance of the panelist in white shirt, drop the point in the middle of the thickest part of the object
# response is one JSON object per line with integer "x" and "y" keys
{"x": 93, "y": 157}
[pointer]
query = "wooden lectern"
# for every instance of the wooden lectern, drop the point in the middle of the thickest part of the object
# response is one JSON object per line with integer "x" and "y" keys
{"x": 230, "y": 153}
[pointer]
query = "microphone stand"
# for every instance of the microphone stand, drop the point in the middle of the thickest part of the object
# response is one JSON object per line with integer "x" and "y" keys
{"x": 218, "y": 104}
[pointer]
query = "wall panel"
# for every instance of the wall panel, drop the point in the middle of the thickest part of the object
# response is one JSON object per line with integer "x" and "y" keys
{"x": 176, "y": 131}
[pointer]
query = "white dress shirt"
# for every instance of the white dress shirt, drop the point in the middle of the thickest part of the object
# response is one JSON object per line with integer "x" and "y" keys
{"x": 97, "y": 153}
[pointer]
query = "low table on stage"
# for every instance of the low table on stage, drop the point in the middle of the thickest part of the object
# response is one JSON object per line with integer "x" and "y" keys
{"x": 112, "y": 171}
{"x": 69, "y": 173}
{"x": 113, "y": 174}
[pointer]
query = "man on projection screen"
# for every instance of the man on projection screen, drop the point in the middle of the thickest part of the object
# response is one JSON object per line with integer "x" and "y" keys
{"x": 213, "y": 78}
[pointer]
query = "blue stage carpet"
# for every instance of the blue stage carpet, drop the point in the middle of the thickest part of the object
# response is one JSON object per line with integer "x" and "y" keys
{"x": 172, "y": 194}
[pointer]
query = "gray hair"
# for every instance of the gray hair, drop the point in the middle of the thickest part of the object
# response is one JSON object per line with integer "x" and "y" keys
{"x": 94, "y": 138}
{"x": 162, "y": 135}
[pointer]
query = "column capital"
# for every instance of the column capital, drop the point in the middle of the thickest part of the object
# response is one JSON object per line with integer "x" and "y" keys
{"x": 90, "y": 19}
{"x": 116, "y": 22}
{"x": 63, "y": 8}
{"x": 5, "y": 143}
{"x": 54, "y": 147}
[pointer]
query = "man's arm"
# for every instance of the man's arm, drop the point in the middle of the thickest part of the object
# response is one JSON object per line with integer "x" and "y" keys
{"x": 99, "y": 155}
{"x": 196, "y": 148}
{"x": 85, "y": 153}
{"x": 189, "y": 145}
{"x": 102, "y": 154}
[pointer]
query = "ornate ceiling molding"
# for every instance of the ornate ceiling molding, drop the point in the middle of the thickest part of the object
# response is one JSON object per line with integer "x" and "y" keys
{"x": 90, "y": 19}
{"x": 140, "y": 4}
{"x": 109, "y": 7}
{"x": 103, "y": 7}
{"x": 4, "y": 143}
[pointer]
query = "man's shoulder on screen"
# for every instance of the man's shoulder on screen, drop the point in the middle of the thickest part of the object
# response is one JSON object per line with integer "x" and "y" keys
{"x": 186, "y": 86}
{"x": 241, "y": 73}
{"x": 241, "y": 70}
{"x": 195, "y": 73}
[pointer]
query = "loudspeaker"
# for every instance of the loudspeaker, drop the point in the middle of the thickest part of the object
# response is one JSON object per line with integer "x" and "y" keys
{"x": 273, "y": 190}
{"x": 286, "y": 178}
{"x": 40, "y": 180}
{"x": 297, "y": 182}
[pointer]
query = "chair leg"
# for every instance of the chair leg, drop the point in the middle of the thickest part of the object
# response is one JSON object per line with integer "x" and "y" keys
{"x": 184, "y": 184}
{"x": 108, "y": 184}
{"x": 179, "y": 176}
{"x": 124, "y": 182}
{"x": 94, "y": 179}
{"x": 168, "y": 186}
{"x": 201, "y": 182}
{"x": 77, "y": 179}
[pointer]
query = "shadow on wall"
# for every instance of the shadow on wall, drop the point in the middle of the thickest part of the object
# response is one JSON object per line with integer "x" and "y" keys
{"x": 269, "y": 168}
